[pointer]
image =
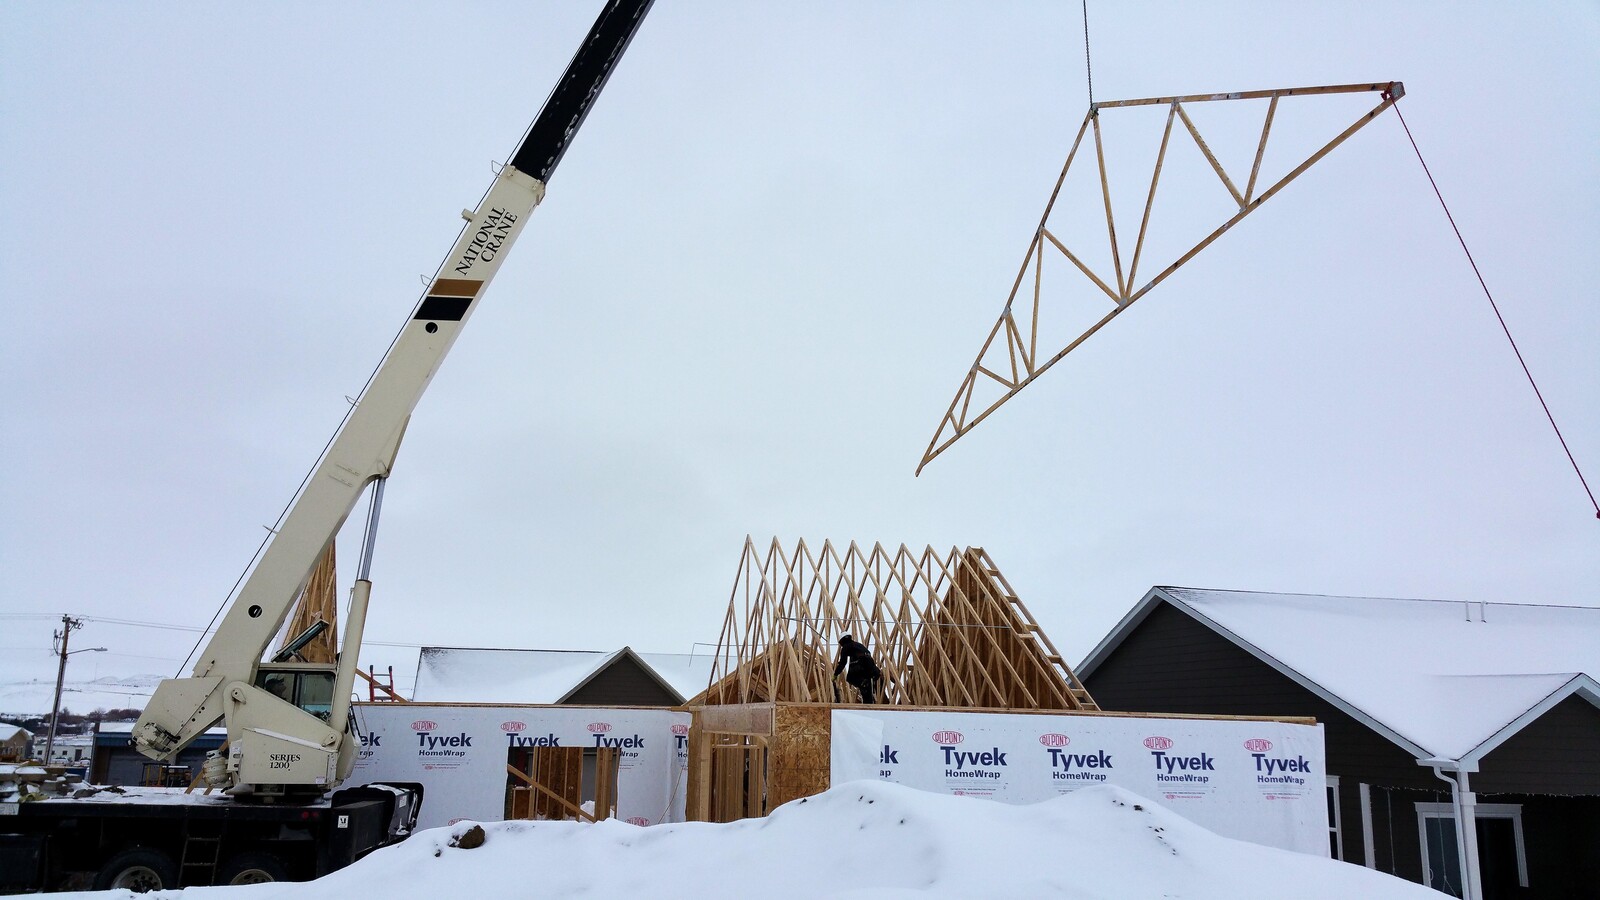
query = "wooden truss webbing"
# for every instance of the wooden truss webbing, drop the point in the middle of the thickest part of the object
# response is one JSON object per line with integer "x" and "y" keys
{"x": 946, "y": 630}
{"x": 317, "y": 601}
{"x": 1013, "y": 361}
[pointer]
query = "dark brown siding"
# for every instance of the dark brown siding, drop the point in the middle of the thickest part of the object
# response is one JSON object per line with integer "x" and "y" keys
{"x": 623, "y": 683}
{"x": 1171, "y": 663}
{"x": 1560, "y": 835}
{"x": 1557, "y": 754}
{"x": 1395, "y": 837}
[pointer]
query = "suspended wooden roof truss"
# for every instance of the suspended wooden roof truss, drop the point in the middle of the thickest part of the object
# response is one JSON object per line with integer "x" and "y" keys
{"x": 945, "y": 630}
{"x": 1011, "y": 357}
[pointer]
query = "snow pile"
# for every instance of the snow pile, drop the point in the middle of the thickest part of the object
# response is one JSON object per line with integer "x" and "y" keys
{"x": 863, "y": 839}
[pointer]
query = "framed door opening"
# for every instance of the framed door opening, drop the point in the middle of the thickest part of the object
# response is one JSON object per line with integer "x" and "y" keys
{"x": 561, "y": 783}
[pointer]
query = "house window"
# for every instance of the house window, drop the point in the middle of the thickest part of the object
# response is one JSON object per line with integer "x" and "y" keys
{"x": 1335, "y": 840}
{"x": 1502, "y": 858}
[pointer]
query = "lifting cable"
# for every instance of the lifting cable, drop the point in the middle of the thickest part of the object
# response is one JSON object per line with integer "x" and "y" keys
{"x": 1087, "y": 68}
{"x": 1493, "y": 305}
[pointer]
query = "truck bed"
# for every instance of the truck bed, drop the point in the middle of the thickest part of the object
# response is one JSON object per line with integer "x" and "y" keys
{"x": 194, "y": 838}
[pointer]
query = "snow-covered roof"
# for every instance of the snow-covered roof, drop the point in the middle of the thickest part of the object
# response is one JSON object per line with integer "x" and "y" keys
{"x": 476, "y": 675}
{"x": 1443, "y": 679}
{"x": 7, "y": 732}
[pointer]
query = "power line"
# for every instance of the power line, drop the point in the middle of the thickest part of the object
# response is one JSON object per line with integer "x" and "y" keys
{"x": 104, "y": 620}
{"x": 140, "y": 624}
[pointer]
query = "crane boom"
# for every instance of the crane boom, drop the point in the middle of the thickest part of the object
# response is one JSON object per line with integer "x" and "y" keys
{"x": 289, "y": 740}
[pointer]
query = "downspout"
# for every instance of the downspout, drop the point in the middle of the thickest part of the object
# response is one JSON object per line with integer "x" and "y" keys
{"x": 1465, "y": 805}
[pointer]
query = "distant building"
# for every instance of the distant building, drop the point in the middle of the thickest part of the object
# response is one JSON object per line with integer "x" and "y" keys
{"x": 15, "y": 742}
{"x": 116, "y": 762}
{"x": 67, "y": 749}
{"x": 1431, "y": 710}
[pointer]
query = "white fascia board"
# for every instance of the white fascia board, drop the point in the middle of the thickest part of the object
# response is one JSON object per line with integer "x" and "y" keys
{"x": 1341, "y": 703}
{"x": 1581, "y": 685}
{"x": 1115, "y": 637}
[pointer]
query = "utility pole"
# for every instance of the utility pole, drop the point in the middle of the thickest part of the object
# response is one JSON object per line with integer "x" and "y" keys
{"x": 67, "y": 624}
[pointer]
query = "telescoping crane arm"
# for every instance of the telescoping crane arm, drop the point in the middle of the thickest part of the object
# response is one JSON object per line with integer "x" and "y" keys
{"x": 288, "y": 741}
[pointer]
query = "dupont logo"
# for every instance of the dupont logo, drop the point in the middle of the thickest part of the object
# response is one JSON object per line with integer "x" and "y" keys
{"x": 947, "y": 738}
{"x": 513, "y": 727}
{"x": 1258, "y": 745}
{"x": 1157, "y": 742}
{"x": 637, "y": 820}
{"x": 680, "y": 730}
{"x": 1054, "y": 740}
{"x": 599, "y": 727}
{"x": 423, "y": 725}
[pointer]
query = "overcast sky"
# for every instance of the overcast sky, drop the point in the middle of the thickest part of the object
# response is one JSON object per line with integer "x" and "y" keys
{"x": 757, "y": 280}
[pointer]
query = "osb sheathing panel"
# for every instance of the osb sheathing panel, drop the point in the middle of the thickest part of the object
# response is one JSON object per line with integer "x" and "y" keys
{"x": 697, "y": 801}
{"x": 801, "y": 755}
{"x": 738, "y": 718}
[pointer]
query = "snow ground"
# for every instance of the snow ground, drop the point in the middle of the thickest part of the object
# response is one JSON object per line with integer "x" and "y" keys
{"x": 863, "y": 839}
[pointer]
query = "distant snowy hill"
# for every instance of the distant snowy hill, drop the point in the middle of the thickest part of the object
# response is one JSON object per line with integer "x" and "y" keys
{"x": 863, "y": 839}
{"x": 33, "y": 696}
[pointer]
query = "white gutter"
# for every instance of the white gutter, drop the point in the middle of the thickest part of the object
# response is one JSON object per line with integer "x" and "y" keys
{"x": 1465, "y": 805}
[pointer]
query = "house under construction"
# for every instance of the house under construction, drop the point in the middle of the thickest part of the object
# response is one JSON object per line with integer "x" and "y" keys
{"x": 946, "y": 630}
{"x": 976, "y": 701}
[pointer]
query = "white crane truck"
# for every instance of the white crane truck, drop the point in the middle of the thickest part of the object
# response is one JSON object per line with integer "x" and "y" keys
{"x": 290, "y": 738}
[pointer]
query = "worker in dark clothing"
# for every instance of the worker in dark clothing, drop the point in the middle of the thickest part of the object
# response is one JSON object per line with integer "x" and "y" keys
{"x": 863, "y": 672}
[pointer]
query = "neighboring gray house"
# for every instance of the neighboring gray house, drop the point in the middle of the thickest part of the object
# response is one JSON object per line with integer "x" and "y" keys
{"x": 1431, "y": 710}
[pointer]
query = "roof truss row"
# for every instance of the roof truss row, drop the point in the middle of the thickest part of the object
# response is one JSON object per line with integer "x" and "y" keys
{"x": 945, "y": 630}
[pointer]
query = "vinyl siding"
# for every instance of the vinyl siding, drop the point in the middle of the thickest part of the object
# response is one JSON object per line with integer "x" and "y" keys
{"x": 1172, "y": 663}
{"x": 1559, "y": 753}
{"x": 623, "y": 683}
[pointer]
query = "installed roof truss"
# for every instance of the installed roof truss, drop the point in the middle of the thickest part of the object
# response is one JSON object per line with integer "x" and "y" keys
{"x": 946, "y": 630}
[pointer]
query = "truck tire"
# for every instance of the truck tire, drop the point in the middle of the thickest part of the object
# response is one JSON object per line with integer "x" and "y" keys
{"x": 252, "y": 867}
{"x": 138, "y": 869}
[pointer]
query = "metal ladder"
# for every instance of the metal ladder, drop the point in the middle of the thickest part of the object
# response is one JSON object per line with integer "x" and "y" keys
{"x": 201, "y": 854}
